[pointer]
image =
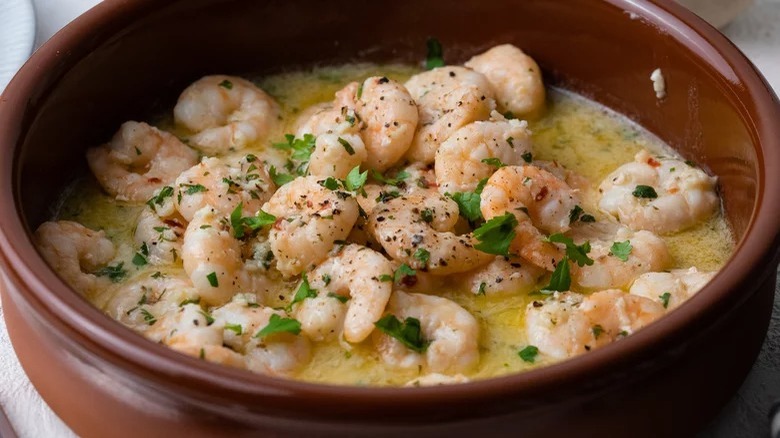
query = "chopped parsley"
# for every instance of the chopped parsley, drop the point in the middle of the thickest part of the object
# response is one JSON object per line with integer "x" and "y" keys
{"x": 190, "y": 301}
{"x": 422, "y": 255}
{"x": 326, "y": 279}
{"x": 159, "y": 198}
{"x": 341, "y": 298}
{"x": 408, "y": 332}
{"x": 386, "y": 277}
{"x": 527, "y": 157}
{"x": 393, "y": 181}
{"x": 330, "y": 183}
{"x": 561, "y": 277}
{"x": 435, "y": 56}
{"x": 140, "y": 258}
{"x": 148, "y": 317}
{"x": 114, "y": 273}
{"x": 597, "y": 331}
{"x": 249, "y": 224}
{"x": 468, "y": 202}
{"x": 355, "y": 179}
{"x": 300, "y": 148}
{"x": 528, "y": 354}
{"x": 209, "y": 318}
{"x": 493, "y": 162}
{"x": 226, "y": 84}
{"x": 621, "y": 250}
{"x": 642, "y": 191}
{"x": 279, "y": 179}
{"x": 347, "y": 146}
{"x": 665, "y": 299}
{"x": 482, "y": 287}
{"x": 496, "y": 235}
{"x": 235, "y": 328}
{"x": 212, "y": 278}
{"x": 427, "y": 215}
{"x": 277, "y": 324}
{"x": 402, "y": 272}
{"x": 576, "y": 253}
{"x": 304, "y": 291}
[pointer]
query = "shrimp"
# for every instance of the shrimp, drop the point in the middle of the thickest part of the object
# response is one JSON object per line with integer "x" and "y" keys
{"x": 223, "y": 185}
{"x": 225, "y": 113}
{"x": 415, "y": 230}
{"x": 448, "y": 98}
{"x": 670, "y": 288}
{"x": 436, "y": 379}
{"x": 213, "y": 259}
{"x": 502, "y": 276}
{"x": 465, "y": 158}
{"x": 648, "y": 253}
{"x": 568, "y": 324}
{"x": 355, "y": 273}
{"x": 139, "y": 160}
{"x": 450, "y": 331}
{"x": 74, "y": 251}
{"x": 310, "y": 219}
{"x": 515, "y": 77}
{"x": 160, "y": 238}
{"x": 388, "y": 119}
{"x": 335, "y": 155}
{"x": 658, "y": 194}
{"x": 335, "y": 117}
{"x": 539, "y": 201}
{"x": 141, "y": 303}
{"x": 278, "y": 354}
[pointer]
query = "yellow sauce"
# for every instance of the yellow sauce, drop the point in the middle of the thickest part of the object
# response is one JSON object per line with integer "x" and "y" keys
{"x": 581, "y": 135}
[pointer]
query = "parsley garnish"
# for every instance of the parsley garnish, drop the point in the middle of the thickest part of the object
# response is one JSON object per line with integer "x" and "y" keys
{"x": 422, "y": 255}
{"x": 304, "y": 291}
{"x": 341, "y": 298}
{"x": 435, "y": 57}
{"x": 482, "y": 288}
{"x": 528, "y": 354}
{"x": 527, "y": 157}
{"x": 468, "y": 202}
{"x": 191, "y": 189}
{"x": 226, "y": 84}
{"x": 355, "y": 180}
{"x": 250, "y": 224}
{"x": 114, "y": 273}
{"x": 277, "y": 324}
{"x": 577, "y": 253}
{"x": 279, "y": 179}
{"x": 665, "y": 299}
{"x": 347, "y": 146}
{"x": 300, "y": 148}
{"x": 235, "y": 328}
{"x": 427, "y": 215}
{"x": 597, "y": 331}
{"x": 647, "y": 192}
{"x": 148, "y": 317}
{"x": 329, "y": 183}
{"x": 386, "y": 277}
{"x": 401, "y": 273}
{"x": 212, "y": 278}
{"x": 140, "y": 258}
{"x": 561, "y": 278}
{"x": 493, "y": 162}
{"x": 209, "y": 318}
{"x": 396, "y": 181}
{"x": 159, "y": 198}
{"x": 408, "y": 333}
{"x": 621, "y": 250}
{"x": 496, "y": 235}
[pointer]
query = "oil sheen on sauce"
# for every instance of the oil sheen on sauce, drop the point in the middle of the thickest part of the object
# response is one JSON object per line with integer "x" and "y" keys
{"x": 581, "y": 135}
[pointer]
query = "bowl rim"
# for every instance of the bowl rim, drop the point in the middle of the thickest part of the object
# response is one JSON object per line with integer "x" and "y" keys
{"x": 58, "y": 305}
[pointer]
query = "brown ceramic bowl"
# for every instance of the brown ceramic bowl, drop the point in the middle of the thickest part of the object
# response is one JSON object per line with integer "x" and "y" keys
{"x": 126, "y": 58}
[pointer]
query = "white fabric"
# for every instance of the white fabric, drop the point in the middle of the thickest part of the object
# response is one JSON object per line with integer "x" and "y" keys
{"x": 757, "y": 32}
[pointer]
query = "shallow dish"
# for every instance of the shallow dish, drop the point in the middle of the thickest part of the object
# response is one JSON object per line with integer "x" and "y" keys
{"x": 126, "y": 58}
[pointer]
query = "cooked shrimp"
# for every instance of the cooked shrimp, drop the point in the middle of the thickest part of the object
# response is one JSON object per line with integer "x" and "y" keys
{"x": 448, "y": 98}
{"x": 658, "y": 194}
{"x": 388, "y": 118}
{"x": 435, "y": 379}
{"x": 141, "y": 303}
{"x": 213, "y": 259}
{"x": 160, "y": 238}
{"x": 223, "y": 184}
{"x": 465, "y": 158}
{"x": 515, "y": 77}
{"x": 568, "y": 324}
{"x": 335, "y": 155}
{"x": 416, "y": 230}
{"x": 74, "y": 251}
{"x": 310, "y": 219}
{"x": 671, "y": 288}
{"x": 139, "y": 160}
{"x": 356, "y": 273}
{"x": 225, "y": 113}
{"x": 648, "y": 253}
{"x": 503, "y": 275}
{"x": 450, "y": 331}
{"x": 335, "y": 117}
{"x": 539, "y": 201}
{"x": 277, "y": 354}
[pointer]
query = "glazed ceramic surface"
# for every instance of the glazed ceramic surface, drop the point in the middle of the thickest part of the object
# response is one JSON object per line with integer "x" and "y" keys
{"x": 128, "y": 58}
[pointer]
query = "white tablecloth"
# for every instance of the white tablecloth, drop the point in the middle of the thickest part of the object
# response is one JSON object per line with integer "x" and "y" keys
{"x": 756, "y": 32}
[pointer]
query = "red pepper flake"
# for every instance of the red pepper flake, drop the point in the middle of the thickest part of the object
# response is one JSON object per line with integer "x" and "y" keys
{"x": 652, "y": 162}
{"x": 542, "y": 193}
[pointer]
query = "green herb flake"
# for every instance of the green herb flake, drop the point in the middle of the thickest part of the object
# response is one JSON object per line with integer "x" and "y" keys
{"x": 235, "y": 328}
{"x": 527, "y": 157}
{"x": 159, "y": 198}
{"x": 250, "y": 224}
{"x": 279, "y": 179}
{"x": 427, "y": 215}
{"x": 385, "y": 278}
{"x": 597, "y": 331}
{"x": 341, "y": 298}
{"x": 326, "y": 279}
{"x": 402, "y": 272}
{"x": 496, "y": 235}
{"x": 576, "y": 253}
{"x": 468, "y": 205}
{"x": 330, "y": 183}
{"x": 493, "y": 162}
{"x": 191, "y": 189}
{"x": 299, "y": 148}
{"x": 528, "y": 354}
{"x": 277, "y": 324}
{"x": 621, "y": 250}
{"x": 482, "y": 288}
{"x": 209, "y": 318}
{"x": 587, "y": 218}
{"x": 355, "y": 179}
{"x": 304, "y": 291}
{"x": 114, "y": 273}
{"x": 226, "y": 84}
{"x": 212, "y": 278}
{"x": 665, "y": 299}
{"x": 347, "y": 146}
{"x": 190, "y": 301}
{"x": 422, "y": 255}
{"x": 360, "y": 91}
{"x": 149, "y": 319}
{"x": 408, "y": 332}
{"x": 435, "y": 56}
{"x": 561, "y": 277}
{"x": 646, "y": 192}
